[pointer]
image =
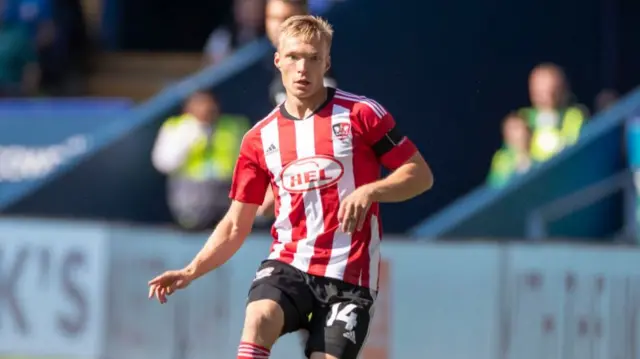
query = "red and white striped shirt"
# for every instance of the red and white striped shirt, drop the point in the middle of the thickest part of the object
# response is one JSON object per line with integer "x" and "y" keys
{"x": 311, "y": 165}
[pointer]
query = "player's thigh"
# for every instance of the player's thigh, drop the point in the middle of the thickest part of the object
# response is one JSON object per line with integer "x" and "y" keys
{"x": 339, "y": 330}
{"x": 263, "y": 323}
{"x": 276, "y": 299}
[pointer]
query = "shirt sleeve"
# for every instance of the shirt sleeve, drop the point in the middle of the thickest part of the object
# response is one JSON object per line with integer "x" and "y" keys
{"x": 391, "y": 147}
{"x": 250, "y": 180}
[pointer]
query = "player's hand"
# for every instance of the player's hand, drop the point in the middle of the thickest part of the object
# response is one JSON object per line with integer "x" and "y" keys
{"x": 353, "y": 210}
{"x": 167, "y": 283}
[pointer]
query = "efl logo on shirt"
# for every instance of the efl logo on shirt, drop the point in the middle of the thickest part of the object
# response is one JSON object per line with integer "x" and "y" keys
{"x": 311, "y": 173}
{"x": 342, "y": 131}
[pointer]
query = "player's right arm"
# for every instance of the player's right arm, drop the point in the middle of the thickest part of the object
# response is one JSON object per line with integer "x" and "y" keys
{"x": 248, "y": 187}
{"x": 226, "y": 239}
{"x": 268, "y": 206}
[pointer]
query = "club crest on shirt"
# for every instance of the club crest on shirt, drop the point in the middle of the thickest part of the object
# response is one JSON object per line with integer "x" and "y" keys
{"x": 342, "y": 131}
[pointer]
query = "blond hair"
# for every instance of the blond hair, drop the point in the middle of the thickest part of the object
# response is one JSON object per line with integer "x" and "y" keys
{"x": 307, "y": 27}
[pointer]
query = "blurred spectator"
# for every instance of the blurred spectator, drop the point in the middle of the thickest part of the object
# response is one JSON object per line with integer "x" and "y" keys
{"x": 246, "y": 24}
{"x": 605, "y": 99}
{"x": 19, "y": 70}
{"x": 514, "y": 157}
{"x": 555, "y": 123}
{"x": 36, "y": 15}
{"x": 51, "y": 27}
{"x": 277, "y": 11}
{"x": 198, "y": 150}
{"x": 66, "y": 62}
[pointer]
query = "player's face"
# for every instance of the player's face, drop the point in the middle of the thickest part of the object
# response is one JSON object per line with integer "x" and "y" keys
{"x": 303, "y": 65}
{"x": 277, "y": 12}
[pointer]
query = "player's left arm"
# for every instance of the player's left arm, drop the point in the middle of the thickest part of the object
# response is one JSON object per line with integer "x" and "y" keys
{"x": 411, "y": 179}
{"x": 410, "y": 176}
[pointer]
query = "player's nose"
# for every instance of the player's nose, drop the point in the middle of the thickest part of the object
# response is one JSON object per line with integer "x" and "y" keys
{"x": 302, "y": 66}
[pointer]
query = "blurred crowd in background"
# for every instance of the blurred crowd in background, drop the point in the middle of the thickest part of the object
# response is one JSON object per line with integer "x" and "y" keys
{"x": 43, "y": 46}
{"x": 552, "y": 122}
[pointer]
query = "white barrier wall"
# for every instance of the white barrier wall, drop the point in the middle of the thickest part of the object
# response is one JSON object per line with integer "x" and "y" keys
{"x": 52, "y": 289}
{"x": 77, "y": 290}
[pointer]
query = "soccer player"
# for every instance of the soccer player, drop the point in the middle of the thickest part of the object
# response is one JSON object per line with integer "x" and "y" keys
{"x": 320, "y": 151}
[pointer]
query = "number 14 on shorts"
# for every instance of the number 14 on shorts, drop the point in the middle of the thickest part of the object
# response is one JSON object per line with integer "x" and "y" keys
{"x": 344, "y": 314}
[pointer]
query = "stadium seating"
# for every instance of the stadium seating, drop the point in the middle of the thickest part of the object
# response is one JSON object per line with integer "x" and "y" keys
{"x": 139, "y": 76}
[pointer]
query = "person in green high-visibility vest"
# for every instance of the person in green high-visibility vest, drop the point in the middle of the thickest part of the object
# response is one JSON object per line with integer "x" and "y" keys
{"x": 197, "y": 150}
{"x": 514, "y": 157}
{"x": 555, "y": 122}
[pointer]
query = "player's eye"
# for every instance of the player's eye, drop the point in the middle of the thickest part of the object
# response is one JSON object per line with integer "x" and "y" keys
{"x": 292, "y": 57}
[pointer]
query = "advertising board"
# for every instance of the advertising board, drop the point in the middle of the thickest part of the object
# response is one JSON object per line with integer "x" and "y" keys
{"x": 73, "y": 290}
{"x": 51, "y": 289}
{"x": 39, "y": 137}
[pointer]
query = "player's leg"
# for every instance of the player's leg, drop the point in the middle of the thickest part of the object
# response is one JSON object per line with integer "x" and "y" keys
{"x": 263, "y": 324}
{"x": 339, "y": 329}
{"x": 276, "y": 299}
{"x": 342, "y": 334}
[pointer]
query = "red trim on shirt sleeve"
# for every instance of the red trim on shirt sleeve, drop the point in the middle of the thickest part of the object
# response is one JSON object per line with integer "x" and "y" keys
{"x": 250, "y": 180}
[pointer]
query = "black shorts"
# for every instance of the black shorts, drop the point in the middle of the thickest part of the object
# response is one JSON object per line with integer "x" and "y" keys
{"x": 336, "y": 314}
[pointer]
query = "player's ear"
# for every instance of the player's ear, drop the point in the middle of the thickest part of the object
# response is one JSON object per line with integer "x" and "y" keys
{"x": 276, "y": 59}
{"x": 328, "y": 64}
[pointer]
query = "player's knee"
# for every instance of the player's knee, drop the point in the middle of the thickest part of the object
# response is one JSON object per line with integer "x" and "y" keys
{"x": 263, "y": 324}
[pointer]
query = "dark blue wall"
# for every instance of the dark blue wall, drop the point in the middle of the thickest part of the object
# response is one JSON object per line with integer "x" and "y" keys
{"x": 447, "y": 72}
